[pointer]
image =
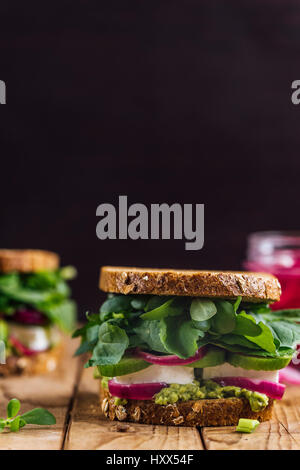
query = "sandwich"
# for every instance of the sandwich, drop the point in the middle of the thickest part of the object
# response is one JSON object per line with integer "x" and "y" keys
{"x": 189, "y": 348}
{"x": 35, "y": 308}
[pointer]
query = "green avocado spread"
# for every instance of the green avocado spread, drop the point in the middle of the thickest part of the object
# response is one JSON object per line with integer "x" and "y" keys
{"x": 209, "y": 389}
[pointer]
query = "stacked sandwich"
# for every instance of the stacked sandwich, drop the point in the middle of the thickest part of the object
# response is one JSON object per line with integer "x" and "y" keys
{"x": 34, "y": 309}
{"x": 189, "y": 348}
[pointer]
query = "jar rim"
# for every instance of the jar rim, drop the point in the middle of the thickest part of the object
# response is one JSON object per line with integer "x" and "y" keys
{"x": 275, "y": 235}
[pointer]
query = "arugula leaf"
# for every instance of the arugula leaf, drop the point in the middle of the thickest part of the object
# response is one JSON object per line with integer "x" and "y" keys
{"x": 202, "y": 309}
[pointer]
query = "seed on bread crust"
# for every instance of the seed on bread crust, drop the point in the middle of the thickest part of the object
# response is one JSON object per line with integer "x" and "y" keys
{"x": 136, "y": 415}
{"x": 178, "y": 420}
{"x": 121, "y": 413}
{"x": 105, "y": 406}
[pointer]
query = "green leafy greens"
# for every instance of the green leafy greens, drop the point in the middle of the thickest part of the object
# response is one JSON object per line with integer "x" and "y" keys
{"x": 45, "y": 291}
{"x": 181, "y": 325}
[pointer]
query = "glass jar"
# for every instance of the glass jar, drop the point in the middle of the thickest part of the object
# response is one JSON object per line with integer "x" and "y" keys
{"x": 277, "y": 253}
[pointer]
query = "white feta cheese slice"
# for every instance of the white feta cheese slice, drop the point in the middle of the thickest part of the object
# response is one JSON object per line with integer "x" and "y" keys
{"x": 227, "y": 370}
{"x": 36, "y": 338}
{"x": 168, "y": 374}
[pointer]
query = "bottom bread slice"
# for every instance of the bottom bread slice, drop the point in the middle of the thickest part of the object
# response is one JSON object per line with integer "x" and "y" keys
{"x": 40, "y": 363}
{"x": 212, "y": 412}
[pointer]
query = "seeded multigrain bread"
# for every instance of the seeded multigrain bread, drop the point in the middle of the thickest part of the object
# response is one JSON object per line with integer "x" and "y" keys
{"x": 40, "y": 363}
{"x": 213, "y": 412}
{"x": 253, "y": 287}
{"x": 27, "y": 261}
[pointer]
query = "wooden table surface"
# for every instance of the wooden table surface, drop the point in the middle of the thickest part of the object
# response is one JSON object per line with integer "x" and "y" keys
{"x": 71, "y": 394}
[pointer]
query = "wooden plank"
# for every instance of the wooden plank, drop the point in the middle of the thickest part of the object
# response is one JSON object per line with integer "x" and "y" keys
{"x": 52, "y": 391}
{"x": 89, "y": 429}
{"x": 281, "y": 433}
{"x": 287, "y": 411}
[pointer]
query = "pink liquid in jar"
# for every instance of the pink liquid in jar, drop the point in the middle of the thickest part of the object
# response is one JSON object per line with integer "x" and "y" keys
{"x": 277, "y": 253}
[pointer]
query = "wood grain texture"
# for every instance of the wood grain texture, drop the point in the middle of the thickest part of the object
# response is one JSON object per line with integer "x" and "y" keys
{"x": 281, "y": 433}
{"x": 89, "y": 429}
{"x": 72, "y": 395}
{"x": 52, "y": 391}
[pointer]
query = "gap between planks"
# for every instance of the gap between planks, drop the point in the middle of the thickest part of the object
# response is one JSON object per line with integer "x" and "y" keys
{"x": 89, "y": 429}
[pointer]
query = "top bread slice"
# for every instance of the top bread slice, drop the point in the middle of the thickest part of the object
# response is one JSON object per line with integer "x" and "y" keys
{"x": 252, "y": 287}
{"x": 28, "y": 261}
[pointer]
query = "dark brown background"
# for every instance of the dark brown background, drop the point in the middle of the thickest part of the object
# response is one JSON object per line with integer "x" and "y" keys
{"x": 164, "y": 101}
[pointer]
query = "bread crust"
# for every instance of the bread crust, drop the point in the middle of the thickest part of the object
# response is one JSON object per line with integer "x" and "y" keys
{"x": 27, "y": 261}
{"x": 41, "y": 363}
{"x": 253, "y": 287}
{"x": 212, "y": 412}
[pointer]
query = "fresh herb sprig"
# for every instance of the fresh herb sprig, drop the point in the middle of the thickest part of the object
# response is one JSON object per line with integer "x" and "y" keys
{"x": 14, "y": 421}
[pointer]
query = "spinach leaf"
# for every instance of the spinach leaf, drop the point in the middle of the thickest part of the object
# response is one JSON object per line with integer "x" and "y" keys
{"x": 292, "y": 314}
{"x": 202, "y": 325}
{"x": 225, "y": 319}
{"x": 171, "y": 307}
{"x": 287, "y": 333}
{"x": 246, "y": 325}
{"x": 148, "y": 333}
{"x": 265, "y": 340}
{"x": 237, "y": 340}
{"x": 251, "y": 307}
{"x": 140, "y": 302}
{"x": 179, "y": 336}
{"x": 111, "y": 345}
{"x": 116, "y": 304}
{"x": 156, "y": 301}
{"x": 202, "y": 309}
